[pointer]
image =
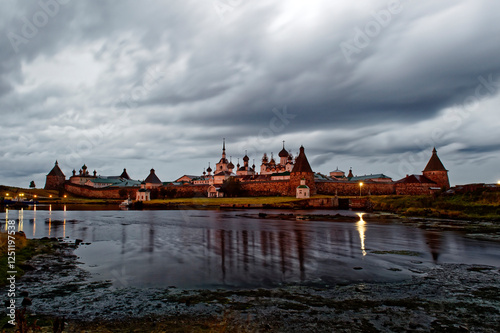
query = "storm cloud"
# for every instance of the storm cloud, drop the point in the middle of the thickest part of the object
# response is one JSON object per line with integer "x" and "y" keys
{"x": 372, "y": 85}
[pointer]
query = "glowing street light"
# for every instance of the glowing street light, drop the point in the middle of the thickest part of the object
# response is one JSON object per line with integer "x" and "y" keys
{"x": 50, "y": 196}
{"x": 360, "y": 186}
{"x": 65, "y": 196}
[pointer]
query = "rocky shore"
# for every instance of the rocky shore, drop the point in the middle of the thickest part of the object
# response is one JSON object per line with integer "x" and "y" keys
{"x": 446, "y": 297}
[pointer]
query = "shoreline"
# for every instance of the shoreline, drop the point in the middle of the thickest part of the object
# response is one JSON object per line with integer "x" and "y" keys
{"x": 456, "y": 297}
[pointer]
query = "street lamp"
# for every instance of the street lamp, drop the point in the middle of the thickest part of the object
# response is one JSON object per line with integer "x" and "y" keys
{"x": 360, "y": 185}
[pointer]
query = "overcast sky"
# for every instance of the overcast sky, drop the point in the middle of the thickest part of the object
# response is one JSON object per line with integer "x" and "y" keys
{"x": 372, "y": 85}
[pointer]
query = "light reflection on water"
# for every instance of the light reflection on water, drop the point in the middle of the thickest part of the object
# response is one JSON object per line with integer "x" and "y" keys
{"x": 193, "y": 249}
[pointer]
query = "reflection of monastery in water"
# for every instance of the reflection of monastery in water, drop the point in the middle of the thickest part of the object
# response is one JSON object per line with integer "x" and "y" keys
{"x": 287, "y": 175}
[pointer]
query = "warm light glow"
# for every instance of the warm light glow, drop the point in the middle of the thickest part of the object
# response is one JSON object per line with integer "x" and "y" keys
{"x": 360, "y": 184}
{"x": 498, "y": 183}
{"x": 361, "y": 230}
{"x": 34, "y": 196}
{"x": 65, "y": 196}
{"x": 7, "y": 194}
{"x": 50, "y": 196}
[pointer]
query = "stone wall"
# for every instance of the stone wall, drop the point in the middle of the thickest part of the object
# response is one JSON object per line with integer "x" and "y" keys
{"x": 102, "y": 193}
{"x": 414, "y": 189}
{"x": 440, "y": 177}
{"x": 352, "y": 188}
{"x": 295, "y": 178}
{"x": 269, "y": 188}
{"x": 54, "y": 182}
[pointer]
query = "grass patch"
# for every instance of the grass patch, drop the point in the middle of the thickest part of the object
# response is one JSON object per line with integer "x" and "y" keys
{"x": 216, "y": 202}
{"x": 474, "y": 205}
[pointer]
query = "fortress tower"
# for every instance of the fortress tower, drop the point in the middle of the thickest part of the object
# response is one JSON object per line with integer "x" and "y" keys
{"x": 302, "y": 171}
{"x": 55, "y": 178}
{"x": 436, "y": 171}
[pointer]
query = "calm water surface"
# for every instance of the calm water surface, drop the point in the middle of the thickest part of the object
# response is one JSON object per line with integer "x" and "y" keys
{"x": 211, "y": 249}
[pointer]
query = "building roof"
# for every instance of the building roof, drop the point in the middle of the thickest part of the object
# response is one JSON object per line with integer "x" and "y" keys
{"x": 302, "y": 186}
{"x": 434, "y": 163}
{"x": 56, "y": 171}
{"x": 153, "y": 178}
{"x": 301, "y": 163}
{"x": 125, "y": 174}
{"x": 415, "y": 179}
{"x": 286, "y": 173}
{"x": 224, "y": 173}
{"x": 368, "y": 177}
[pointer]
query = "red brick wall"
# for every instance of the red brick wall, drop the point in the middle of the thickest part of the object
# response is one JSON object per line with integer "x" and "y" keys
{"x": 295, "y": 178}
{"x": 440, "y": 177}
{"x": 54, "y": 182}
{"x": 413, "y": 189}
{"x": 104, "y": 193}
{"x": 352, "y": 188}
{"x": 269, "y": 188}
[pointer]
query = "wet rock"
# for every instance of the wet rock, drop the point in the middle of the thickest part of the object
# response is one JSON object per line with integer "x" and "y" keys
{"x": 78, "y": 241}
{"x": 26, "y": 301}
{"x": 357, "y": 268}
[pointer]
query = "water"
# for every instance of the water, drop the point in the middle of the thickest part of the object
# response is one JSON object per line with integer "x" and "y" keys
{"x": 213, "y": 249}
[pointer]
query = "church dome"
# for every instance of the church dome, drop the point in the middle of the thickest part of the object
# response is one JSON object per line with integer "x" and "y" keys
{"x": 283, "y": 153}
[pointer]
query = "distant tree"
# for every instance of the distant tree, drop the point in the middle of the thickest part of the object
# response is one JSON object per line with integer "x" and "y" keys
{"x": 231, "y": 187}
{"x": 32, "y": 184}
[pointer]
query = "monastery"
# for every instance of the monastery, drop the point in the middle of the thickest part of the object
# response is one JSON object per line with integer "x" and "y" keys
{"x": 287, "y": 176}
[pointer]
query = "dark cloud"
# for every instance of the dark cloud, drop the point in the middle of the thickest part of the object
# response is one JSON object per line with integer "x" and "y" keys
{"x": 136, "y": 85}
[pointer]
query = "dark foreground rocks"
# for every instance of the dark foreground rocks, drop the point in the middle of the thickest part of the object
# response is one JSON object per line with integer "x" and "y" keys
{"x": 442, "y": 298}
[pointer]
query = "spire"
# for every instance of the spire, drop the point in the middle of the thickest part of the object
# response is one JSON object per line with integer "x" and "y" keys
{"x": 434, "y": 163}
{"x": 223, "y": 148}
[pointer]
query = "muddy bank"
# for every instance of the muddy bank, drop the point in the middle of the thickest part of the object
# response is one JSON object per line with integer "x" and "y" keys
{"x": 446, "y": 297}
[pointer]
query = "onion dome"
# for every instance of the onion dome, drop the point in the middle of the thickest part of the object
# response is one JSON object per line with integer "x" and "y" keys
{"x": 246, "y": 158}
{"x": 209, "y": 169}
{"x": 290, "y": 157}
{"x": 230, "y": 165}
{"x": 283, "y": 152}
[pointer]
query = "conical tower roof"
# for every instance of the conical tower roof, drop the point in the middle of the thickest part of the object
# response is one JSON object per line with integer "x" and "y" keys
{"x": 56, "y": 171}
{"x": 434, "y": 163}
{"x": 301, "y": 163}
{"x": 153, "y": 178}
{"x": 125, "y": 174}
